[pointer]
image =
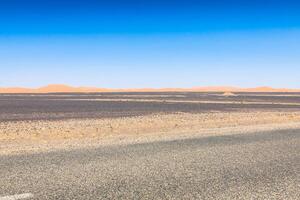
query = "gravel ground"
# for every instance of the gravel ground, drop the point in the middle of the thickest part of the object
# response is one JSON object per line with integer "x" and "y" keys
{"x": 19, "y": 136}
{"x": 113, "y": 105}
{"x": 150, "y": 146}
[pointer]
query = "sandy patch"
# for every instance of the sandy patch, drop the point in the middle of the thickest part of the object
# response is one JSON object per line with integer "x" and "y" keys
{"x": 229, "y": 94}
{"x": 24, "y": 136}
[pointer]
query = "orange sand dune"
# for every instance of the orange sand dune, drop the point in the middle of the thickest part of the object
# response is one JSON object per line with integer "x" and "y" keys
{"x": 53, "y": 89}
{"x": 236, "y": 89}
{"x": 69, "y": 89}
{"x": 217, "y": 89}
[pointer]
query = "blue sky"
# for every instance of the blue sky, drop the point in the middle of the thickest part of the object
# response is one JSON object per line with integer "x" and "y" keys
{"x": 135, "y": 43}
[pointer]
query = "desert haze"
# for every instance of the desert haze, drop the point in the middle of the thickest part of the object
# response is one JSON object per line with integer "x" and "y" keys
{"x": 59, "y": 88}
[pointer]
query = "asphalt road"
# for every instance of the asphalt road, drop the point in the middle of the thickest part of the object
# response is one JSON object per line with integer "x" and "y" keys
{"x": 262, "y": 165}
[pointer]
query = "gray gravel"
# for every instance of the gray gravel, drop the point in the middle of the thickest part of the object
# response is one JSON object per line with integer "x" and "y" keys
{"x": 70, "y": 106}
{"x": 263, "y": 165}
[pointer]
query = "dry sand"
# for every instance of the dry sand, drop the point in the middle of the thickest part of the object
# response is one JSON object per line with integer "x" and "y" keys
{"x": 183, "y": 101}
{"x": 36, "y": 136}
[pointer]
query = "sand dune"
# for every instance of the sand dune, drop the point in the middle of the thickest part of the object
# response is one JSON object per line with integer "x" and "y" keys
{"x": 58, "y": 88}
{"x": 53, "y": 89}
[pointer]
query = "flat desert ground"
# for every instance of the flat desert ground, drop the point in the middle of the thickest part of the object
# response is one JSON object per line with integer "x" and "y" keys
{"x": 168, "y": 145}
{"x": 44, "y": 122}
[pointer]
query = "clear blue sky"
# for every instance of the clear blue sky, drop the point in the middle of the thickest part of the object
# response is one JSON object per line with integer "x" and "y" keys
{"x": 143, "y": 43}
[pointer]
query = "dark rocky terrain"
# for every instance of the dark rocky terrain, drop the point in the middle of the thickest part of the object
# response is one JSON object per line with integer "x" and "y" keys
{"x": 110, "y": 105}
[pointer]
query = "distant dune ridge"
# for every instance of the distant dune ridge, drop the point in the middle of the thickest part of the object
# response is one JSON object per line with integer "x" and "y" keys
{"x": 59, "y": 88}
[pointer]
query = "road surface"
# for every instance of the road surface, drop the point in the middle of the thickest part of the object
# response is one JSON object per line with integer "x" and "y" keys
{"x": 263, "y": 165}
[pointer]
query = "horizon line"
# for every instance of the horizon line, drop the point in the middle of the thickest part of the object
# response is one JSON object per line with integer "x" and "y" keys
{"x": 62, "y": 88}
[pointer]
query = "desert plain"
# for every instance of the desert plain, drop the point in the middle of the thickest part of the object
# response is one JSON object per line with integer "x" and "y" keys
{"x": 38, "y": 122}
{"x": 150, "y": 145}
